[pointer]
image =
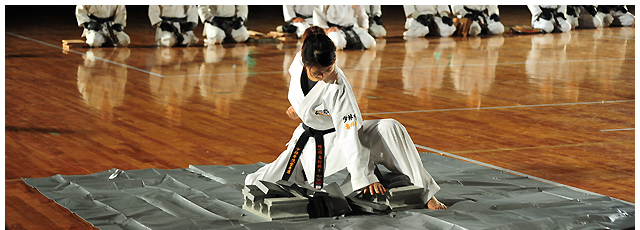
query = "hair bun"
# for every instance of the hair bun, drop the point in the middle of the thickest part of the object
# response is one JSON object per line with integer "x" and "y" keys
{"x": 314, "y": 30}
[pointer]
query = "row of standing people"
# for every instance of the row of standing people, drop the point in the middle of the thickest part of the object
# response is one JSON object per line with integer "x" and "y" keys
{"x": 349, "y": 27}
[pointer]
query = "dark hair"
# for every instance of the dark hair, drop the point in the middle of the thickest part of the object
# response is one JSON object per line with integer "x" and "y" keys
{"x": 317, "y": 48}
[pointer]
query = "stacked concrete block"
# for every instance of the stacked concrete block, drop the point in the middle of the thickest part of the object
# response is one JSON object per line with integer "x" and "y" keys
{"x": 401, "y": 198}
{"x": 272, "y": 202}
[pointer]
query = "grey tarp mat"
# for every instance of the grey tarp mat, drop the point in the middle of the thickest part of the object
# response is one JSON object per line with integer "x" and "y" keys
{"x": 210, "y": 197}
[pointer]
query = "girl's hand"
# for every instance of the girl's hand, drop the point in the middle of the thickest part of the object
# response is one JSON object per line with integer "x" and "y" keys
{"x": 292, "y": 113}
{"x": 377, "y": 187}
{"x": 298, "y": 19}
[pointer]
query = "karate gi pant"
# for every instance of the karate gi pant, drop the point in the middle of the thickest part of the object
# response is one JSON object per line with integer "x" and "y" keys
{"x": 387, "y": 142}
{"x": 583, "y": 20}
{"x": 97, "y": 38}
{"x": 548, "y": 25}
{"x": 416, "y": 29}
{"x": 169, "y": 39}
{"x": 624, "y": 19}
{"x": 340, "y": 39}
{"x": 493, "y": 27}
{"x": 377, "y": 31}
{"x": 216, "y": 35}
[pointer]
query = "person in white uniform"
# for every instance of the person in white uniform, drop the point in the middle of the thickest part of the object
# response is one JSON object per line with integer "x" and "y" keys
{"x": 481, "y": 22}
{"x": 616, "y": 15}
{"x": 583, "y": 17}
{"x": 103, "y": 24}
{"x": 174, "y": 24}
{"x": 549, "y": 18}
{"x": 346, "y": 25}
{"x": 333, "y": 136}
{"x": 297, "y": 18}
{"x": 428, "y": 19}
{"x": 375, "y": 21}
{"x": 224, "y": 20}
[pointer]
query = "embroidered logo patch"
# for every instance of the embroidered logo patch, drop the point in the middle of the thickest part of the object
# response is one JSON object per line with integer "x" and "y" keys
{"x": 324, "y": 112}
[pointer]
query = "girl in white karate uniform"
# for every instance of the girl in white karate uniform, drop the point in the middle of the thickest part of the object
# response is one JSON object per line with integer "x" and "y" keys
{"x": 174, "y": 24}
{"x": 298, "y": 18}
{"x": 346, "y": 25}
{"x": 220, "y": 19}
{"x": 103, "y": 24}
{"x": 422, "y": 18}
{"x": 322, "y": 98}
{"x": 549, "y": 17}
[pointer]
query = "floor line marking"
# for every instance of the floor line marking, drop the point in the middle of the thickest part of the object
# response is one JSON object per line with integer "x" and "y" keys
{"x": 499, "y": 107}
{"x": 609, "y": 36}
{"x": 542, "y": 147}
{"x": 515, "y": 172}
{"x": 84, "y": 54}
{"x": 427, "y": 66}
{"x": 609, "y": 130}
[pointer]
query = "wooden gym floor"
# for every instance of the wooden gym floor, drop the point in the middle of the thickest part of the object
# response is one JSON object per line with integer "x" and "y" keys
{"x": 559, "y": 107}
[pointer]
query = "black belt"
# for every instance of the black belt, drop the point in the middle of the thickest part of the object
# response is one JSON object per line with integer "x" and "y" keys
{"x": 339, "y": 26}
{"x": 172, "y": 19}
{"x": 102, "y": 20}
{"x": 475, "y": 15}
{"x": 303, "y": 16}
{"x": 353, "y": 40}
{"x": 318, "y": 135}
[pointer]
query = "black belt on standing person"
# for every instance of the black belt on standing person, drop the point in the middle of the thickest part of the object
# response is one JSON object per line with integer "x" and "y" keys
{"x": 318, "y": 135}
{"x": 174, "y": 19}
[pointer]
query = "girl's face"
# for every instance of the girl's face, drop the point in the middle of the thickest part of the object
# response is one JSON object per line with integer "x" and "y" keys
{"x": 318, "y": 72}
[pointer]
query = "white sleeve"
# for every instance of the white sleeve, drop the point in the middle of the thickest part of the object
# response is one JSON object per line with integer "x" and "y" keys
{"x": 361, "y": 16}
{"x": 242, "y": 11}
{"x": 376, "y": 10}
{"x": 288, "y": 12}
{"x": 121, "y": 15}
{"x": 205, "y": 13}
{"x": 408, "y": 10}
{"x": 347, "y": 122}
{"x": 444, "y": 10}
{"x": 82, "y": 15}
{"x": 154, "y": 14}
{"x": 319, "y": 17}
{"x": 458, "y": 10}
{"x": 563, "y": 9}
{"x": 493, "y": 9}
{"x": 535, "y": 9}
{"x": 192, "y": 14}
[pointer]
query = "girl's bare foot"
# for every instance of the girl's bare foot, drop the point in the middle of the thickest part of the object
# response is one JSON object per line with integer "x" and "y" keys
{"x": 433, "y": 203}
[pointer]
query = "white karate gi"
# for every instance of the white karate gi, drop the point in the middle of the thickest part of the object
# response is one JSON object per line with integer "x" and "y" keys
{"x": 417, "y": 29}
{"x": 493, "y": 27}
{"x": 97, "y": 38}
{"x": 583, "y": 19}
{"x": 216, "y": 35}
{"x": 355, "y": 145}
{"x": 549, "y": 25}
{"x": 344, "y": 15}
{"x": 609, "y": 17}
{"x": 289, "y": 13}
{"x": 168, "y": 38}
{"x": 375, "y": 30}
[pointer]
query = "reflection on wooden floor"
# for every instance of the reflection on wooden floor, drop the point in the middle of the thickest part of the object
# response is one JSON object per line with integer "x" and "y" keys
{"x": 556, "y": 106}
